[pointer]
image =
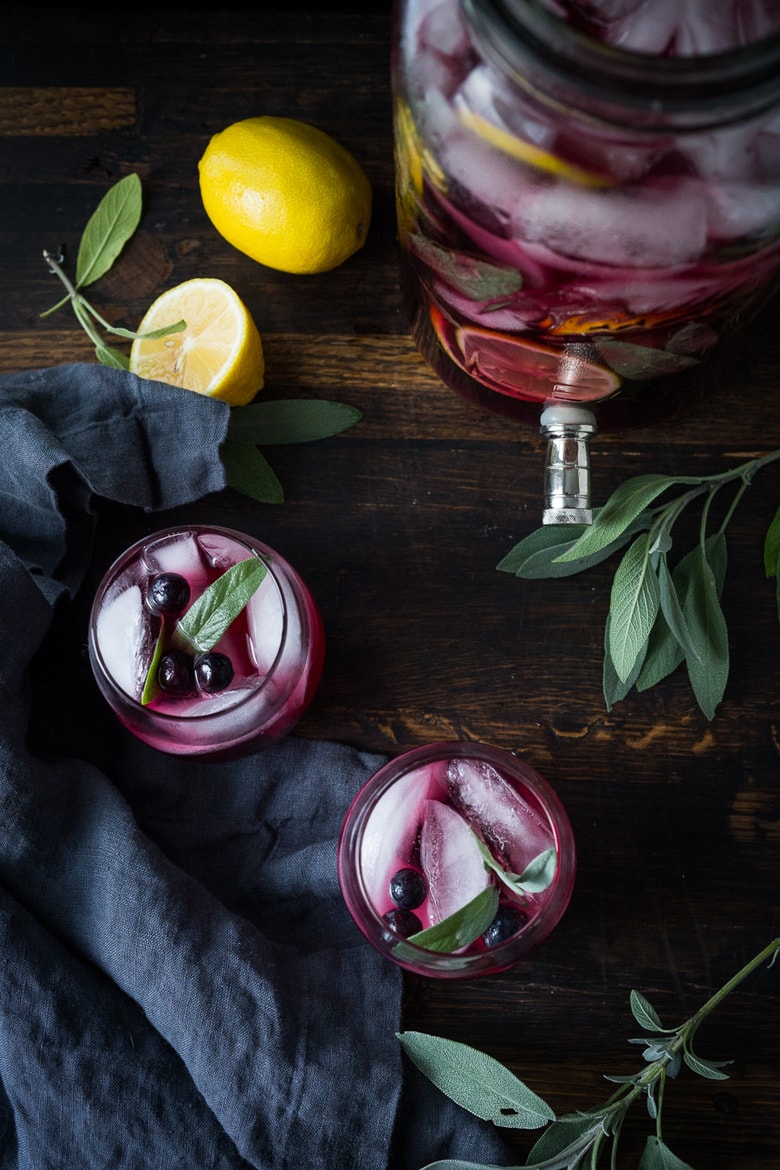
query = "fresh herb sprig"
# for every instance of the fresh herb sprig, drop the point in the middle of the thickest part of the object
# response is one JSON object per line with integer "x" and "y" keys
{"x": 108, "y": 230}
{"x": 660, "y": 615}
{"x": 486, "y": 1088}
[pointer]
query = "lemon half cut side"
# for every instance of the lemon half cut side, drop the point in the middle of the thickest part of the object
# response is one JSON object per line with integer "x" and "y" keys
{"x": 218, "y": 354}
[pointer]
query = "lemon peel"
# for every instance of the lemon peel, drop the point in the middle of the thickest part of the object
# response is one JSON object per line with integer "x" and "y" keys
{"x": 526, "y": 152}
{"x": 286, "y": 194}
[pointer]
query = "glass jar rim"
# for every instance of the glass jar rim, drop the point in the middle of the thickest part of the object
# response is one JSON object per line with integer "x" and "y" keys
{"x": 722, "y": 87}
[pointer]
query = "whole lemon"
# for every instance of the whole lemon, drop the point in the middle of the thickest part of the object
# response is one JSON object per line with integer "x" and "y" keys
{"x": 285, "y": 193}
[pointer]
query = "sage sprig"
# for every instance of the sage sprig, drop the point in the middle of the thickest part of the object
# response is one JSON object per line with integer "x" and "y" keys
{"x": 486, "y": 1088}
{"x": 660, "y": 615}
{"x": 108, "y": 230}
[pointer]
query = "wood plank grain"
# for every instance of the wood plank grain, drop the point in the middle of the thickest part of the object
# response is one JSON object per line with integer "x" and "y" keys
{"x": 64, "y": 111}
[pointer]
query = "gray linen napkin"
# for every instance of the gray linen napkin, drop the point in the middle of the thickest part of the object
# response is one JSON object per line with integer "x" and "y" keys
{"x": 180, "y": 984}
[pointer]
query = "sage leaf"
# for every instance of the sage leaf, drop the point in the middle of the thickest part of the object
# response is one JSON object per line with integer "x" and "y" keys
{"x": 207, "y": 619}
{"x": 642, "y": 361}
{"x": 645, "y": 1014}
{"x": 662, "y": 657}
{"x": 476, "y": 1082}
{"x": 708, "y": 674}
{"x": 664, "y": 652}
{"x": 615, "y": 688}
{"x": 536, "y": 876}
{"x": 108, "y": 229}
{"x": 476, "y": 279}
{"x": 533, "y": 557}
{"x": 113, "y": 358}
{"x": 249, "y": 472}
{"x": 672, "y": 611}
{"x": 151, "y": 687}
{"x": 772, "y": 546}
{"x": 634, "y": 604}
{"x": 657, "y": 1156}
{"x": 710, "y": 1069}
{"x": 462, "y": 927}
{"x": 652, "y": 1107}
{"x": 566, "y": 1136}
{"x": 540, "y": 554}
{"x": 625, "y": 504}
{"x": 297, "y": 420}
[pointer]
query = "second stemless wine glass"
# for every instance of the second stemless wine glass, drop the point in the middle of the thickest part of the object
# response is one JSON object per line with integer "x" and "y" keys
{"x": 588, "y": 203}
{"x": 274, "y": 646}
{"x": 444, "y": 824}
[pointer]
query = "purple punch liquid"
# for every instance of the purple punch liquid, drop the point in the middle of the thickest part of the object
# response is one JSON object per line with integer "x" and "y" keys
{"x": 275, "y": 646}
{"x": 412, "y": 854}
{"x": 568, "y": 241}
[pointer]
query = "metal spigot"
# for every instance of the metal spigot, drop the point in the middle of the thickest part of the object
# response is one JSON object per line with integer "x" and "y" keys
{"x": 568, "y": 429}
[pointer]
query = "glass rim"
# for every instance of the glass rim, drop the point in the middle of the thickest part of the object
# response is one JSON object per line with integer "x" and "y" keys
{"x": 248, "y": 694}
{"x": 519, "y": 32}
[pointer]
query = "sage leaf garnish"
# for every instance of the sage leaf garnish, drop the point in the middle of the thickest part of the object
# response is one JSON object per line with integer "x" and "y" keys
{"x": 151, "y": 688}
{"x": 536, "y": 876}
{"x": 208, "y": 617}
{"x": 661, "y": 615}
{"x": 476, "y": 1081}
{"x": 580, "y": 1141}
{"x": 461, "y": 928}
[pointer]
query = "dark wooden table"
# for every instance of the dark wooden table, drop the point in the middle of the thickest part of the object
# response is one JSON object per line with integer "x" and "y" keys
{"x": 398, "y": 525}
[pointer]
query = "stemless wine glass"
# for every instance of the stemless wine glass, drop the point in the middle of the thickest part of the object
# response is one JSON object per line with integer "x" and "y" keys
{"x": 250, "y": 687}
{"x": 588, "y": 201}
{"x": 444, "y": 825}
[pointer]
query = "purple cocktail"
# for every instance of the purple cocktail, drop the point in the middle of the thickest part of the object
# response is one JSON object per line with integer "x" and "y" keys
{"x": 588, "y": 194}
{"x": 205, "y": 642}
{"x": 456, "y": 859}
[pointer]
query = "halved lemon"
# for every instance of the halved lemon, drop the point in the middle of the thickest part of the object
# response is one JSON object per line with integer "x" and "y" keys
{"x": 219, "y": 353}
